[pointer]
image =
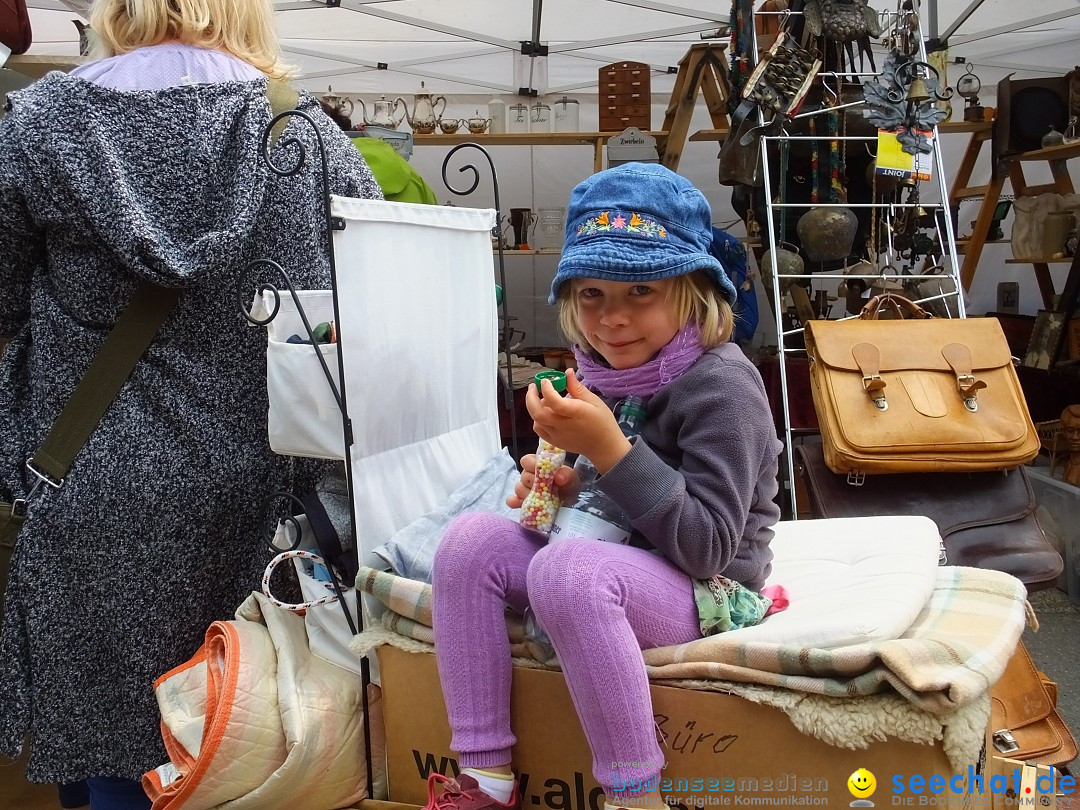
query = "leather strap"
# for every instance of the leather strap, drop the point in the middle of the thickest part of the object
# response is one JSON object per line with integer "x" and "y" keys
{"x": 868, "y": 358}
{"x": 958, "y": 356}
{"x": 898, "y": 303}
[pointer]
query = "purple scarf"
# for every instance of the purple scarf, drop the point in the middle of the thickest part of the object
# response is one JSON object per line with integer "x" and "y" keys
{"x": 681, "y": 352}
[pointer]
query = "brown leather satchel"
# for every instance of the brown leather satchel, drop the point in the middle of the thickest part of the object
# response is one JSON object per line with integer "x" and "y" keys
{"x": 1024, "y": 721}
{"x": 986, "y": 519}
{"x": 15, "y": 25}
{"x": 919, "y": 394}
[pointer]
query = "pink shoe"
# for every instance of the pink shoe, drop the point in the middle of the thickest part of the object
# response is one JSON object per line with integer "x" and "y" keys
{"x": 464, "y": 794}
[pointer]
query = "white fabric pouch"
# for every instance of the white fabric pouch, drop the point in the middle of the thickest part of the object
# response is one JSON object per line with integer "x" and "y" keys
{"x": 304, "y": 418}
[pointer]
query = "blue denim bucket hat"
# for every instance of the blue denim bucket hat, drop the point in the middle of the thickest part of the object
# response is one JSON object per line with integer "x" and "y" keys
{"x": 638, "y": 222}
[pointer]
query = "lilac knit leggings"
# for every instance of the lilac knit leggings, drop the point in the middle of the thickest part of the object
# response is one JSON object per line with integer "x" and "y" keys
{"x": 600, "y": 603}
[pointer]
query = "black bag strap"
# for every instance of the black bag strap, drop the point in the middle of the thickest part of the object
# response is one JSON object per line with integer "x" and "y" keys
{"x": 118, "y": 355}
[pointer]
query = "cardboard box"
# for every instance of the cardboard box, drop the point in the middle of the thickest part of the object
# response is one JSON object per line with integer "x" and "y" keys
{"x": 721, "y": 749}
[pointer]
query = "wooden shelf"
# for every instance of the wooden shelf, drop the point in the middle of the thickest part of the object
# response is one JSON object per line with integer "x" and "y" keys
{"x": 965, "y": 126}
{"x": 709, "y": 135}
{"x": 523, "y": 138}
{"x": 37, "y": 65}
{"x": 1063, "y": 152}
{"x": 1064, "y": 260}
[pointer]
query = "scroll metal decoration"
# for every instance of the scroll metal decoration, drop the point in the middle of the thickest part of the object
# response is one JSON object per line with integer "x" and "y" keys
{"x": 902, "y": 101}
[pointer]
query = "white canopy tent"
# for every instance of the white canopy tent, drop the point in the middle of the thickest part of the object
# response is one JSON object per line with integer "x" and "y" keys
{"x": 471, "y": 50}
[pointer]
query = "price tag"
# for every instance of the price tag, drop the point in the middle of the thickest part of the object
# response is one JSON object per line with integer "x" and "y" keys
{"x": 893, "y": 161}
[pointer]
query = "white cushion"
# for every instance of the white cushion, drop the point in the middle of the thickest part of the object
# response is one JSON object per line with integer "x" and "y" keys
{"x": 849, "y": 580}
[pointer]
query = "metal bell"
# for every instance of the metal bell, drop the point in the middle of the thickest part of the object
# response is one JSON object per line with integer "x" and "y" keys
{"x": 918, "y": 92}
{"x": 827, "y": 233}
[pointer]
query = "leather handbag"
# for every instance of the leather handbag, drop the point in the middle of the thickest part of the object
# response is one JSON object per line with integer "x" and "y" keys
{"x": 1024, "y": 721}
{"x": 986, "y": 519}
{"x": 15, "y": 25}
{"x": 917, "y": 394}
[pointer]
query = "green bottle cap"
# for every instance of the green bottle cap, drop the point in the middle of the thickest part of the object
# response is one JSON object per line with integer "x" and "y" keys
{"x": 632, "y": 407}
{"x": 556, "y": 378}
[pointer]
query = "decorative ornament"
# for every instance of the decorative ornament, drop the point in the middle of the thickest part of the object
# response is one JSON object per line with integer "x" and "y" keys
{"x": 901, "y": 101}
{"x": 841, "y": 20}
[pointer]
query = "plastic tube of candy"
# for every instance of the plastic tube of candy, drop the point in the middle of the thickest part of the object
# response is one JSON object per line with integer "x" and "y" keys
{"x": 542, "y": 503}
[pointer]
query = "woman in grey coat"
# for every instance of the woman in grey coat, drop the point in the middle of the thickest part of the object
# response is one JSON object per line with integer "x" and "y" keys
{"x": 143, "y": 166}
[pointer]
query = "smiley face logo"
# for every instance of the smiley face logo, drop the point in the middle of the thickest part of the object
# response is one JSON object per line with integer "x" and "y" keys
{"x": 862, "y": 784}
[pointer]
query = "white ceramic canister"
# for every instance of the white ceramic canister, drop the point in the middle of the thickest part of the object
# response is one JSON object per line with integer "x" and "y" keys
{"x": 566, "y": 115}
{"x": 540, "y": 117}
{"x": 517, "y": 118}
{"x": 497, "y": 114}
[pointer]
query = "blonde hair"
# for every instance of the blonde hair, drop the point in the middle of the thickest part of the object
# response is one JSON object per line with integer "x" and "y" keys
{"x": 692, "y": 297}
{"x": 243, "y": 28}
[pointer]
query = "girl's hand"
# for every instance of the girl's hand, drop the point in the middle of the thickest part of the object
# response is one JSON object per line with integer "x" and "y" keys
{"x": 579, "y": 422}
{"x": 565, "y": 480}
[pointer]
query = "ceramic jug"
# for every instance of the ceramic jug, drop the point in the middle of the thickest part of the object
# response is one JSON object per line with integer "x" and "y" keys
{"x": 566, "y": 115}
{"x": 540, "y": 117}
{"x": 517, "y": 118}
{"x": 340, "y": 104}
{"x": 423, "y": 116}
{"x": 383, "y": 112}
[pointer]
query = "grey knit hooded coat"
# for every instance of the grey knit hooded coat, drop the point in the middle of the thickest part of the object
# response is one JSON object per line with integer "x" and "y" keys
{"x": 156, "y": 532}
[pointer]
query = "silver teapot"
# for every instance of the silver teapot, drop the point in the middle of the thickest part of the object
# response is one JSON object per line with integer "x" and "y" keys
{"x": 423, "y": 117}
{"x": 383, "y": 112}
{"x": 339, "y": 104}
{"x": 478, "y": 124}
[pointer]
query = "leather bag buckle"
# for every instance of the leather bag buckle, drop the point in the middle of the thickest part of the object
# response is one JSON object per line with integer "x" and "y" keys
{"x": 1005, "y": 742}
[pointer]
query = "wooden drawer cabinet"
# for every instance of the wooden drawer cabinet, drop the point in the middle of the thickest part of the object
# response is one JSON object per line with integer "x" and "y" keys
{"x": 625, "y": 96}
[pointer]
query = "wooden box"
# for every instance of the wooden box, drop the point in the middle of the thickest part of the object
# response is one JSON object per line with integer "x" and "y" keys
{"x": 625, "y": 97}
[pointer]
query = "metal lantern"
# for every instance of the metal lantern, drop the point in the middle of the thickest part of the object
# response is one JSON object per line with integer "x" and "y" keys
{"x": 969, "y": 86}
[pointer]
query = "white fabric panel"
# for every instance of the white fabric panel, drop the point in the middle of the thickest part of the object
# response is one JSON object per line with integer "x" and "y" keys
{"x": 850, "y": 580}
{"x": 418, "y": 337}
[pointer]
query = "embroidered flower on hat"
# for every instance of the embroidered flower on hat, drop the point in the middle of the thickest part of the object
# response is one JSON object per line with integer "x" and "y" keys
{"x": 632, "y": 223}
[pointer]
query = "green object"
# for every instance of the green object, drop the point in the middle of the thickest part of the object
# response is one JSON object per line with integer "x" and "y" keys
{"x": 398, "y": 180}
{"x": 556, "y": 378}
{"x": 498, "y": 295}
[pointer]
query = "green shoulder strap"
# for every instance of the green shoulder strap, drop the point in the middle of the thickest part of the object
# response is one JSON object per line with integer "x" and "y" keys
{"x": 281, "y": 97}
{"x": 111, "y": 367}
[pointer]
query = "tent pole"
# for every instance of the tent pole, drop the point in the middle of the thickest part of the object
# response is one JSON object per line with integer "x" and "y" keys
{"x": 963, "y": 18}
{"x": 538, "y": 11}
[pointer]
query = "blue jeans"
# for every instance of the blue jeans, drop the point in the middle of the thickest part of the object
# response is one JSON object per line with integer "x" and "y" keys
{"x": 114, "y": 793}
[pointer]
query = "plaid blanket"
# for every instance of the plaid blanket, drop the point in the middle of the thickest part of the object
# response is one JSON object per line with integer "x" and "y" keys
{"x": 955, "y": 649}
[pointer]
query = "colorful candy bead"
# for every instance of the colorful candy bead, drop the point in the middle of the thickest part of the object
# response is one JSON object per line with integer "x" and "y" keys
{"x": 542, "y": 503}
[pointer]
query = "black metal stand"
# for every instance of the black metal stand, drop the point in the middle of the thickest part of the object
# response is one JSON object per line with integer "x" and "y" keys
{"x": 496, "y": 232}
{"x": 298, "y": 152}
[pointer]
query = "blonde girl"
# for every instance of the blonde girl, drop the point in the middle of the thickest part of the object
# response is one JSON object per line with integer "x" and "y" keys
{"x": 648, "y": 308}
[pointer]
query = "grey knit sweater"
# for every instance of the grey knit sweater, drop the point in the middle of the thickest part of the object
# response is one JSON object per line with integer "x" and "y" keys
{"x": 700, "y": 488}
{"x": 156, "y": 533}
